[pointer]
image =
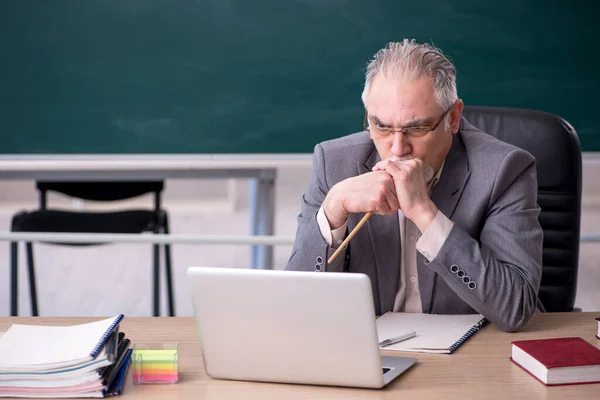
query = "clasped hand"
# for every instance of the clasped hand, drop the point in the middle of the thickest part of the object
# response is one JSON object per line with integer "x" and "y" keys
{"x": 392, "y": 186}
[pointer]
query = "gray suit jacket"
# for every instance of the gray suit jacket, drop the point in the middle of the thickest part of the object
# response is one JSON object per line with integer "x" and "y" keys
{"x": 488, "y": 188}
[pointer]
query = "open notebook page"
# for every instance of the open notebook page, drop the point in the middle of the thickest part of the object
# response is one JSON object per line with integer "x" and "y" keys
{"x": 37, "y": 347}
{"x": 435, "y": 333}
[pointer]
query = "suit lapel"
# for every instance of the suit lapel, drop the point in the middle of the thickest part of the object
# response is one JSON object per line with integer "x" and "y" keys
{"x": 385, "y": 239}
{"x": 384, "y": 230}
{"x": 453, "y": 179}
{"x": 445, "y": 196}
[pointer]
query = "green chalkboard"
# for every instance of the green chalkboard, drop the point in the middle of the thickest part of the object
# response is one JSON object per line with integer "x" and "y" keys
{"x": 268, "y": 76}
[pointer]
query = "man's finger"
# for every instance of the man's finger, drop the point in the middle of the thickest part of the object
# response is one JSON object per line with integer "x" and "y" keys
{"x": 392, "y": 202}
{"x": 409, "y": 165}
{"x": 379, "y": 166}
{"x": 394, "y": 170}
{"x": 388, "y": 181}
{"x": 391, "y": 187}
{"x": 389, "y": 206}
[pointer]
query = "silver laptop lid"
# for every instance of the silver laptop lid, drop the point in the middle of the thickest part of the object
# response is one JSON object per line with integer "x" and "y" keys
{"x": 286, "y": 326}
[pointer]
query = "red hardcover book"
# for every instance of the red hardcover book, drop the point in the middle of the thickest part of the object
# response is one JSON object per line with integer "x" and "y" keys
{"x": 561, "y": 361}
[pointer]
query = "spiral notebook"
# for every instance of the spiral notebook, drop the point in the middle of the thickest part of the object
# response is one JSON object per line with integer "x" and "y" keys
{"x": 36, "y": 348}
{"x": 441, "y": 334}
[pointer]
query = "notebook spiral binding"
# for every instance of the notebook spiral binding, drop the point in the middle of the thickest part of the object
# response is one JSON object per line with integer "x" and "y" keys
{"x": 468, "y": 334}
{"x": 104, "y": 338}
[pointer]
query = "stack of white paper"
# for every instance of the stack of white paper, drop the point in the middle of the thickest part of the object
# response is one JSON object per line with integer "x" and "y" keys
{"x": 58, "y": 361}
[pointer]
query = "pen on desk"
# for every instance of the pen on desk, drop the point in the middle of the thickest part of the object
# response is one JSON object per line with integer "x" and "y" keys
{"x": 397, "y": 339}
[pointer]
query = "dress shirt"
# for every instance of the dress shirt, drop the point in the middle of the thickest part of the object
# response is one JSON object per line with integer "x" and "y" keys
{"x": 428, "y": 243}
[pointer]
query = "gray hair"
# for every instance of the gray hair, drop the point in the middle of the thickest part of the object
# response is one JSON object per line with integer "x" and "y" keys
{"x": 410, "y": 60}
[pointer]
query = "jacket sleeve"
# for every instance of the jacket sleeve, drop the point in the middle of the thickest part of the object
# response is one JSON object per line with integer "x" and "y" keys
{"x": 500, "y": 275}
{"x": 310, "y": 251}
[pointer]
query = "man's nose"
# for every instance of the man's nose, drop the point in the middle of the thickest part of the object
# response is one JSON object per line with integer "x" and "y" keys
{"x": 400, "y": 146}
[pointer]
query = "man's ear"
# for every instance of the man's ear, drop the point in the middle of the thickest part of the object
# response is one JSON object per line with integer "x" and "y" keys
{"x": 455, "y": 115}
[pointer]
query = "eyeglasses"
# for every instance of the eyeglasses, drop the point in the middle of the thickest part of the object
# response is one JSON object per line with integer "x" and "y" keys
{"x": 412, "y": 131}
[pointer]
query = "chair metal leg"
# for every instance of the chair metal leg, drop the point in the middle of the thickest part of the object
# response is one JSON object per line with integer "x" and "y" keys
{"x": 169, "y": 275}
{"x": 156, "y": 280}
{"x": 31, "y": 271}
{"x": 14, "y": 278}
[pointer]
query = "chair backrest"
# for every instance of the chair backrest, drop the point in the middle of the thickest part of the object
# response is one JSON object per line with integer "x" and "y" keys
{"x": 102, "y": 191}
{"x": 555, "y": 145}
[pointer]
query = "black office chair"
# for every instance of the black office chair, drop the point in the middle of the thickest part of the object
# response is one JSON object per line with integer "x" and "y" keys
{"x": 555, "y": 145}
{"x": 126, "y": 221}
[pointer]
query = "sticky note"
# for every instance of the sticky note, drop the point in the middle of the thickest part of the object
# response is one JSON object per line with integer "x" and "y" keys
{"x": 155, "y": 363}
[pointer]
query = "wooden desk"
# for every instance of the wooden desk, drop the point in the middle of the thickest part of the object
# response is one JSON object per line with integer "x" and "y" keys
{"x": 480, "y": 369}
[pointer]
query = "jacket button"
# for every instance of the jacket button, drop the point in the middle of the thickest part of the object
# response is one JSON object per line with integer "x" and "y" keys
{"x": 454, "y": 268}
{"x": 318, "y": 267}
{"x": 466, "y": 279}
{"x": 319, "y": 260}
{"x": 472, "y": 285}
{"x": 460, "y": 273}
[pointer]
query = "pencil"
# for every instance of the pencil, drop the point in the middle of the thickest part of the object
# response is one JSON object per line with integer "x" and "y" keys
{"x": 350, "y": 236}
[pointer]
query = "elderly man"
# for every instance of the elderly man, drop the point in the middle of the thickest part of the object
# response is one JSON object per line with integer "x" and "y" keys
{"x": 454, "y": 228}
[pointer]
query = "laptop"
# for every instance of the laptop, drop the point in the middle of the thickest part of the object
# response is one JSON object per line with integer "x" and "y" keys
{"x": 315, "y": 328}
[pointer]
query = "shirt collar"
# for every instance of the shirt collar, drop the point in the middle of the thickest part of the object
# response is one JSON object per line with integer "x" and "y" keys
{"x": 435, "y": 178}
